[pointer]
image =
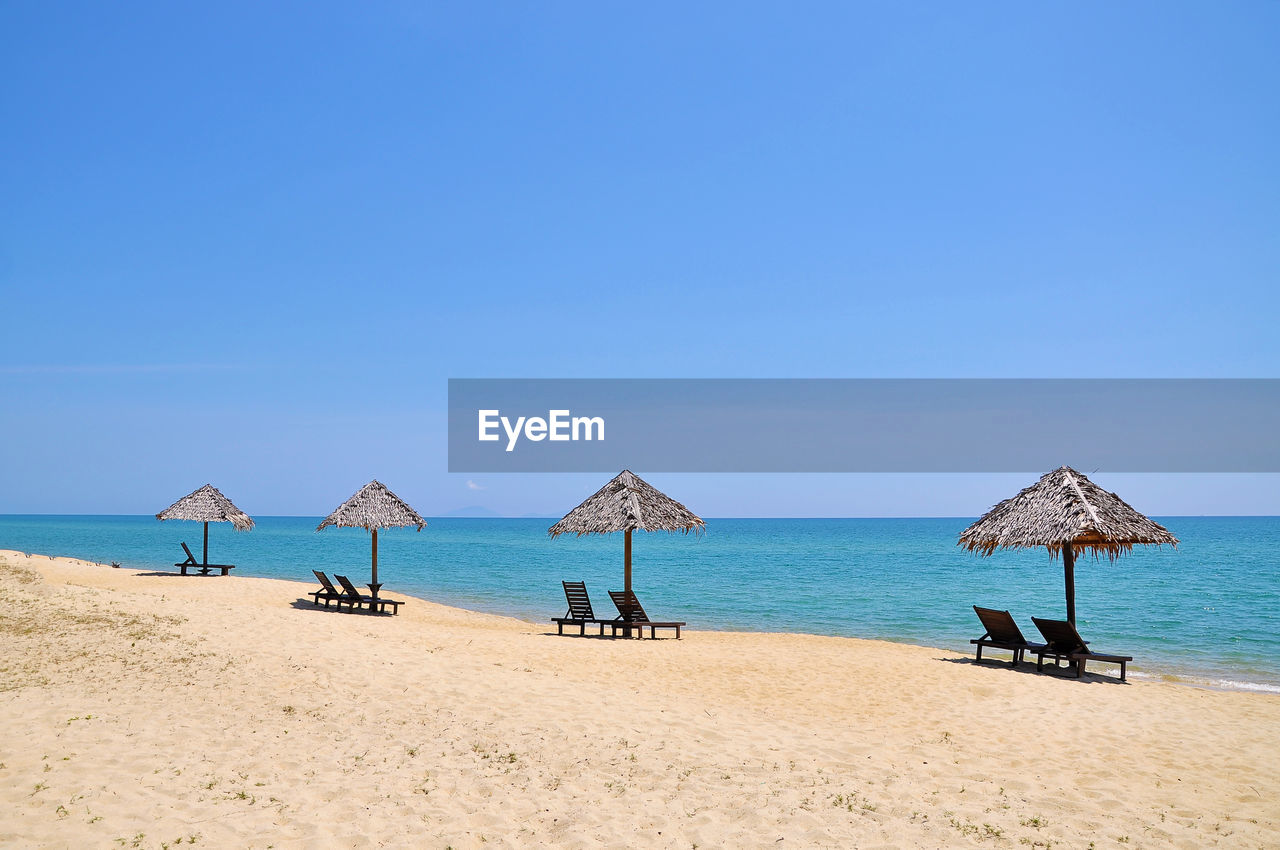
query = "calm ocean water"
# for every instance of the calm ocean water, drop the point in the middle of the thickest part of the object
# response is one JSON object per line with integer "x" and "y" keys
{"x": 1208, "y": 612}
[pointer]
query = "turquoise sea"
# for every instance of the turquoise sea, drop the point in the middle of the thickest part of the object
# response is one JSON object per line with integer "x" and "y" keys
{"x": 1208, "y": 612}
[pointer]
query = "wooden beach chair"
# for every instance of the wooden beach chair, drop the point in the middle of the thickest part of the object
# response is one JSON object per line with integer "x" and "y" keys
{"x": 1063, "y": 642}
{"x": 355, "y": 598}
{"x": 631, "y": 615}
{"x": 327, "y": 591}
{"x": 205, "y": 569}
{"x": 580, "y": 613}
{"x": 1002, "y": 633}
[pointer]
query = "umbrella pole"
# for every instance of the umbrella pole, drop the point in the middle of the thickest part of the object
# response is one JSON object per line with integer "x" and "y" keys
{"x": 206, "y": 544}
{"x": 626, "y": 573}
{"x": 1069, "y": 573}
{"x": 626, "y": 577}
{"x": 373, "y": 585}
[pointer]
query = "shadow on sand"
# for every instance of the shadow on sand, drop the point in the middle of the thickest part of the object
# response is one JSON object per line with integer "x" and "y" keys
{"x": 1064, "y": 671}
{"x": 308, "y": 605}
{"x": 158, "y": 574}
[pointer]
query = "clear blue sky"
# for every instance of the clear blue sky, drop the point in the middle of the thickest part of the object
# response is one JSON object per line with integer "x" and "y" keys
{"x": 248, "y": 243}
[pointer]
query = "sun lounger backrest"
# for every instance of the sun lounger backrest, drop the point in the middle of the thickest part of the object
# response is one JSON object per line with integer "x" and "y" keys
{"x": 628, "y": 606}
{"x": 324, "y": 581}
{"x": 579, "y": 602}
{"x": 999, "y": 625}
{"x": 1060, "y": 635}
{"x": 188, "y": 551}
{"x": 347, "y": 585}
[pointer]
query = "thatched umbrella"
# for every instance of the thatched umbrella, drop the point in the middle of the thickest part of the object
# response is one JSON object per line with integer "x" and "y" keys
{"x": 1064, "y": 511}
{"x": 373, "y": 507}
{"x": 625, "y": 504}
{"x": 207, "y": 505}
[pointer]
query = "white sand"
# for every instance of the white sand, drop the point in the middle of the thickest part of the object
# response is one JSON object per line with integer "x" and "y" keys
{"x": 160, "y": 710}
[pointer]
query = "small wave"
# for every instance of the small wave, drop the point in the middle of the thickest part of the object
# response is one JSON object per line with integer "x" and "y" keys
{"x": 1214, "y": 683}
{"x": 1259, "y": 687}
{"x": 1206, "y": 681}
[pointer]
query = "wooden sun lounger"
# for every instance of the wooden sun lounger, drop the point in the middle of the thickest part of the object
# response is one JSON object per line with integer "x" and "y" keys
{"x": 580, "y": 613}
{"x": 327, "y": 591}
{"x": 205, "y": 569}
{"x": 631, "y": 615}
{"x": 1065, "y": 643}
{"x": 355, "y": 598}
{"x": 1002, "y": 633}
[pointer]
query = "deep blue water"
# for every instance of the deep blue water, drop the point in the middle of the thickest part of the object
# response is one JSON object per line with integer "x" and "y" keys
{"x": 1209, "y": 611}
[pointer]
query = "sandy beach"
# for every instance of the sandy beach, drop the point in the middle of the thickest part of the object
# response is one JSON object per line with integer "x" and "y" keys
{"x": 149, "y": 710}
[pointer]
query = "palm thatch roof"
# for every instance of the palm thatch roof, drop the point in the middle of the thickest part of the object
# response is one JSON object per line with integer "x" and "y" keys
{"x": 373, "y": 506}
{"x": 1064, "y": 507}
{"x": 628, "y": 503}
{"x": 207, "y": 505}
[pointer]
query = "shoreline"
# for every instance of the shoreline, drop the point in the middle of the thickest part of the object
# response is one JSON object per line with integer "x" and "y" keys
{"x": 152, "y": 707}
{"x": 1188, "y": 679}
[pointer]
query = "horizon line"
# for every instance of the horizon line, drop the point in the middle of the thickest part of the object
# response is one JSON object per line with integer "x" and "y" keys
{"x": 554, "y": 517}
